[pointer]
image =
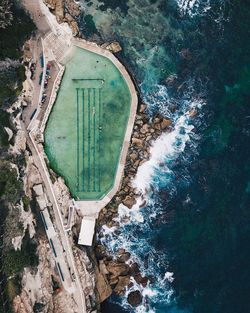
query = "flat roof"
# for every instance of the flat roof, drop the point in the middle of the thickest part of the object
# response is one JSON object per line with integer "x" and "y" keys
{"x": 87, "y": 231}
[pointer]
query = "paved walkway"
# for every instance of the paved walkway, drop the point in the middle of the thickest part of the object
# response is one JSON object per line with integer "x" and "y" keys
{"x": 40, "y": 14}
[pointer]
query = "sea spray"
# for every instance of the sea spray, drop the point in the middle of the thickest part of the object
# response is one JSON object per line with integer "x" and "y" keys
{"x": 135, "y": 228}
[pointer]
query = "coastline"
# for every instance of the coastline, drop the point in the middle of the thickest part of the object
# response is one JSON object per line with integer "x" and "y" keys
{"x": 123, "y": 192}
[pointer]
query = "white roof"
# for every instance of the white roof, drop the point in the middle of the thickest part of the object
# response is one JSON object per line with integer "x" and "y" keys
{"x": 87, "y": 231}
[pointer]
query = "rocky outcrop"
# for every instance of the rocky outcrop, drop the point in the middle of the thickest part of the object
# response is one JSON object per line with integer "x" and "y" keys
{"x": 39, "y": 288}
{"x": 103, "y": 287}
{"x": 134, "y": 298}
{"x": 119, "y": 269}
{"x": 65, "y": 11}
{"x": 57, "y": 7}
{"x": 20, "y": 143}
{"x": 86, "y": 272}
{"x": 145, "y": 131}
{"x": 114, "y": 47}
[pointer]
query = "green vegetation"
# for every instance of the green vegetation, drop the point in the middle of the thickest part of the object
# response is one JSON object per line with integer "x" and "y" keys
{"x": 4, "y": 122}
{"x": 12, "y": 37}
{"x": 10, "y": 186}
{"x": 13, "y": 288}
{"x": 15, "y": 261}
{"x": 15, "y": 27}
{"x": 26, "y": 202}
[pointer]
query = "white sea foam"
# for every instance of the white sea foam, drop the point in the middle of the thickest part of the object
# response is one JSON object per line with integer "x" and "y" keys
{"x": 150, "y": 177}
{"x": 167, "y": 146}
{"x": 169, "y": 277}
{"x": 194, "y": 7}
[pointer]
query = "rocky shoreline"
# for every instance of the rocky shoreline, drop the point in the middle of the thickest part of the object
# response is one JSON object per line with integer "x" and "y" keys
{"x": 119, "y": 269}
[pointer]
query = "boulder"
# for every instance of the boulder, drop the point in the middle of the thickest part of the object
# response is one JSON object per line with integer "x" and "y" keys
{"x": 146, "y": 128}
{"x": 123, "y": 282}
{"x": 143, "y": 108}
{"x": 129, "y": 202}
{"x": 113, "y": 280}
{"x": 165, "y": 123}
{"x": 114, "y": 47}
{"x": 117, "y": 269}
{"x": 58, "y": 7}
{"x": 157, "y": 126}
{"x": 102, "y": 287}
{"x": 73, "y": 8}
{"x": 72, "y": 23}
{"x": 134, "y": 298}
{"x": 133, "y": 156}
{"x": 134, "y": 269}
{"x": 137, "y": 142}
{"x": 124, "y": 257}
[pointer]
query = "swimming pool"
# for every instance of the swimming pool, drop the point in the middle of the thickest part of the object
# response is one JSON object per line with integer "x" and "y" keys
{"x": 85, "y": 131}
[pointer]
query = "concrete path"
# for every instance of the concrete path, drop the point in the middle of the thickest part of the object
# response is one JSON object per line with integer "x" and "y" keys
{"x": 44, "y": 22}
{"x": 58, "y": 252}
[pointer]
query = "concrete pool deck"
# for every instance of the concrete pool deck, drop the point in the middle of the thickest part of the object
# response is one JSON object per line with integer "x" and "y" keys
{"x": 57, "y": 49}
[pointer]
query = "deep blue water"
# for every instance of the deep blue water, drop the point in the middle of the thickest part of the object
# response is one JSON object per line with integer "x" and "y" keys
{"x": 193, "y": 236}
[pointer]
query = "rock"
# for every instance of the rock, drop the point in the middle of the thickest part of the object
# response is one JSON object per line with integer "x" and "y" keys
{"x": 72, "y": 23}
{"x": 157, "y": 126}
{"x": 148, "y": 138}
{"x": 136, "y": 164}
{"x": 137, "y": 142}
{"x": 103, "y": 268}
{"x": 141, "y": 280}
{"x": 117, "y": 269}
{"x": 20, "y": 142}
{"x": 73, "y": 8}
{"x": 123, "y": 282}
{"x": 142, "y": 161}
{"x": 165, "y": 123}
{"x": 192, "y": 113}
{"x": 58, "y": 7}
{"x": 157, "y": 120}
{"x": 134, "y": 269}
{"x": 134, "y": 298}
{"x": 133, "y": 156}
{"x": 124, "y": 257}
{"x": 9, "y": 133}
{"x": 114, "y": 47}
{"x": 143, "y": 108}
{"x": 129, "y": 202}
{"x": 102, "y": 287}
{"x": 146, "y": 127}
{"x": 113, "y": 280}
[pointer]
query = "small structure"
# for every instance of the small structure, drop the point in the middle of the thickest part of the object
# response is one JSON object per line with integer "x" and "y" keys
{"x": 87, "y": 231}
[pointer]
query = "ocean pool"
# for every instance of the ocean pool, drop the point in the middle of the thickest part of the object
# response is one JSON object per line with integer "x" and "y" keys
{"x": 85, "y": 130}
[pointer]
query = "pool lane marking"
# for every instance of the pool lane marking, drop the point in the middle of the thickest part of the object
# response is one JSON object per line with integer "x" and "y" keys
{"x": 83, "y": 173}
{"x": 99, "y": 143}
{"x": 89, "y": 136}
{"x": 77, "y": 123}
{"x": 94, "y": 122}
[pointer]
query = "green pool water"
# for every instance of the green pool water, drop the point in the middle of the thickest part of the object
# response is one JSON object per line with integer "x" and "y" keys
{"x": 85, "y": 131}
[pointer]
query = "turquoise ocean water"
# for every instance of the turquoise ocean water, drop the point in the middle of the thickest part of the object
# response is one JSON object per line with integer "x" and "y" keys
{"x": 190, "y": 59}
